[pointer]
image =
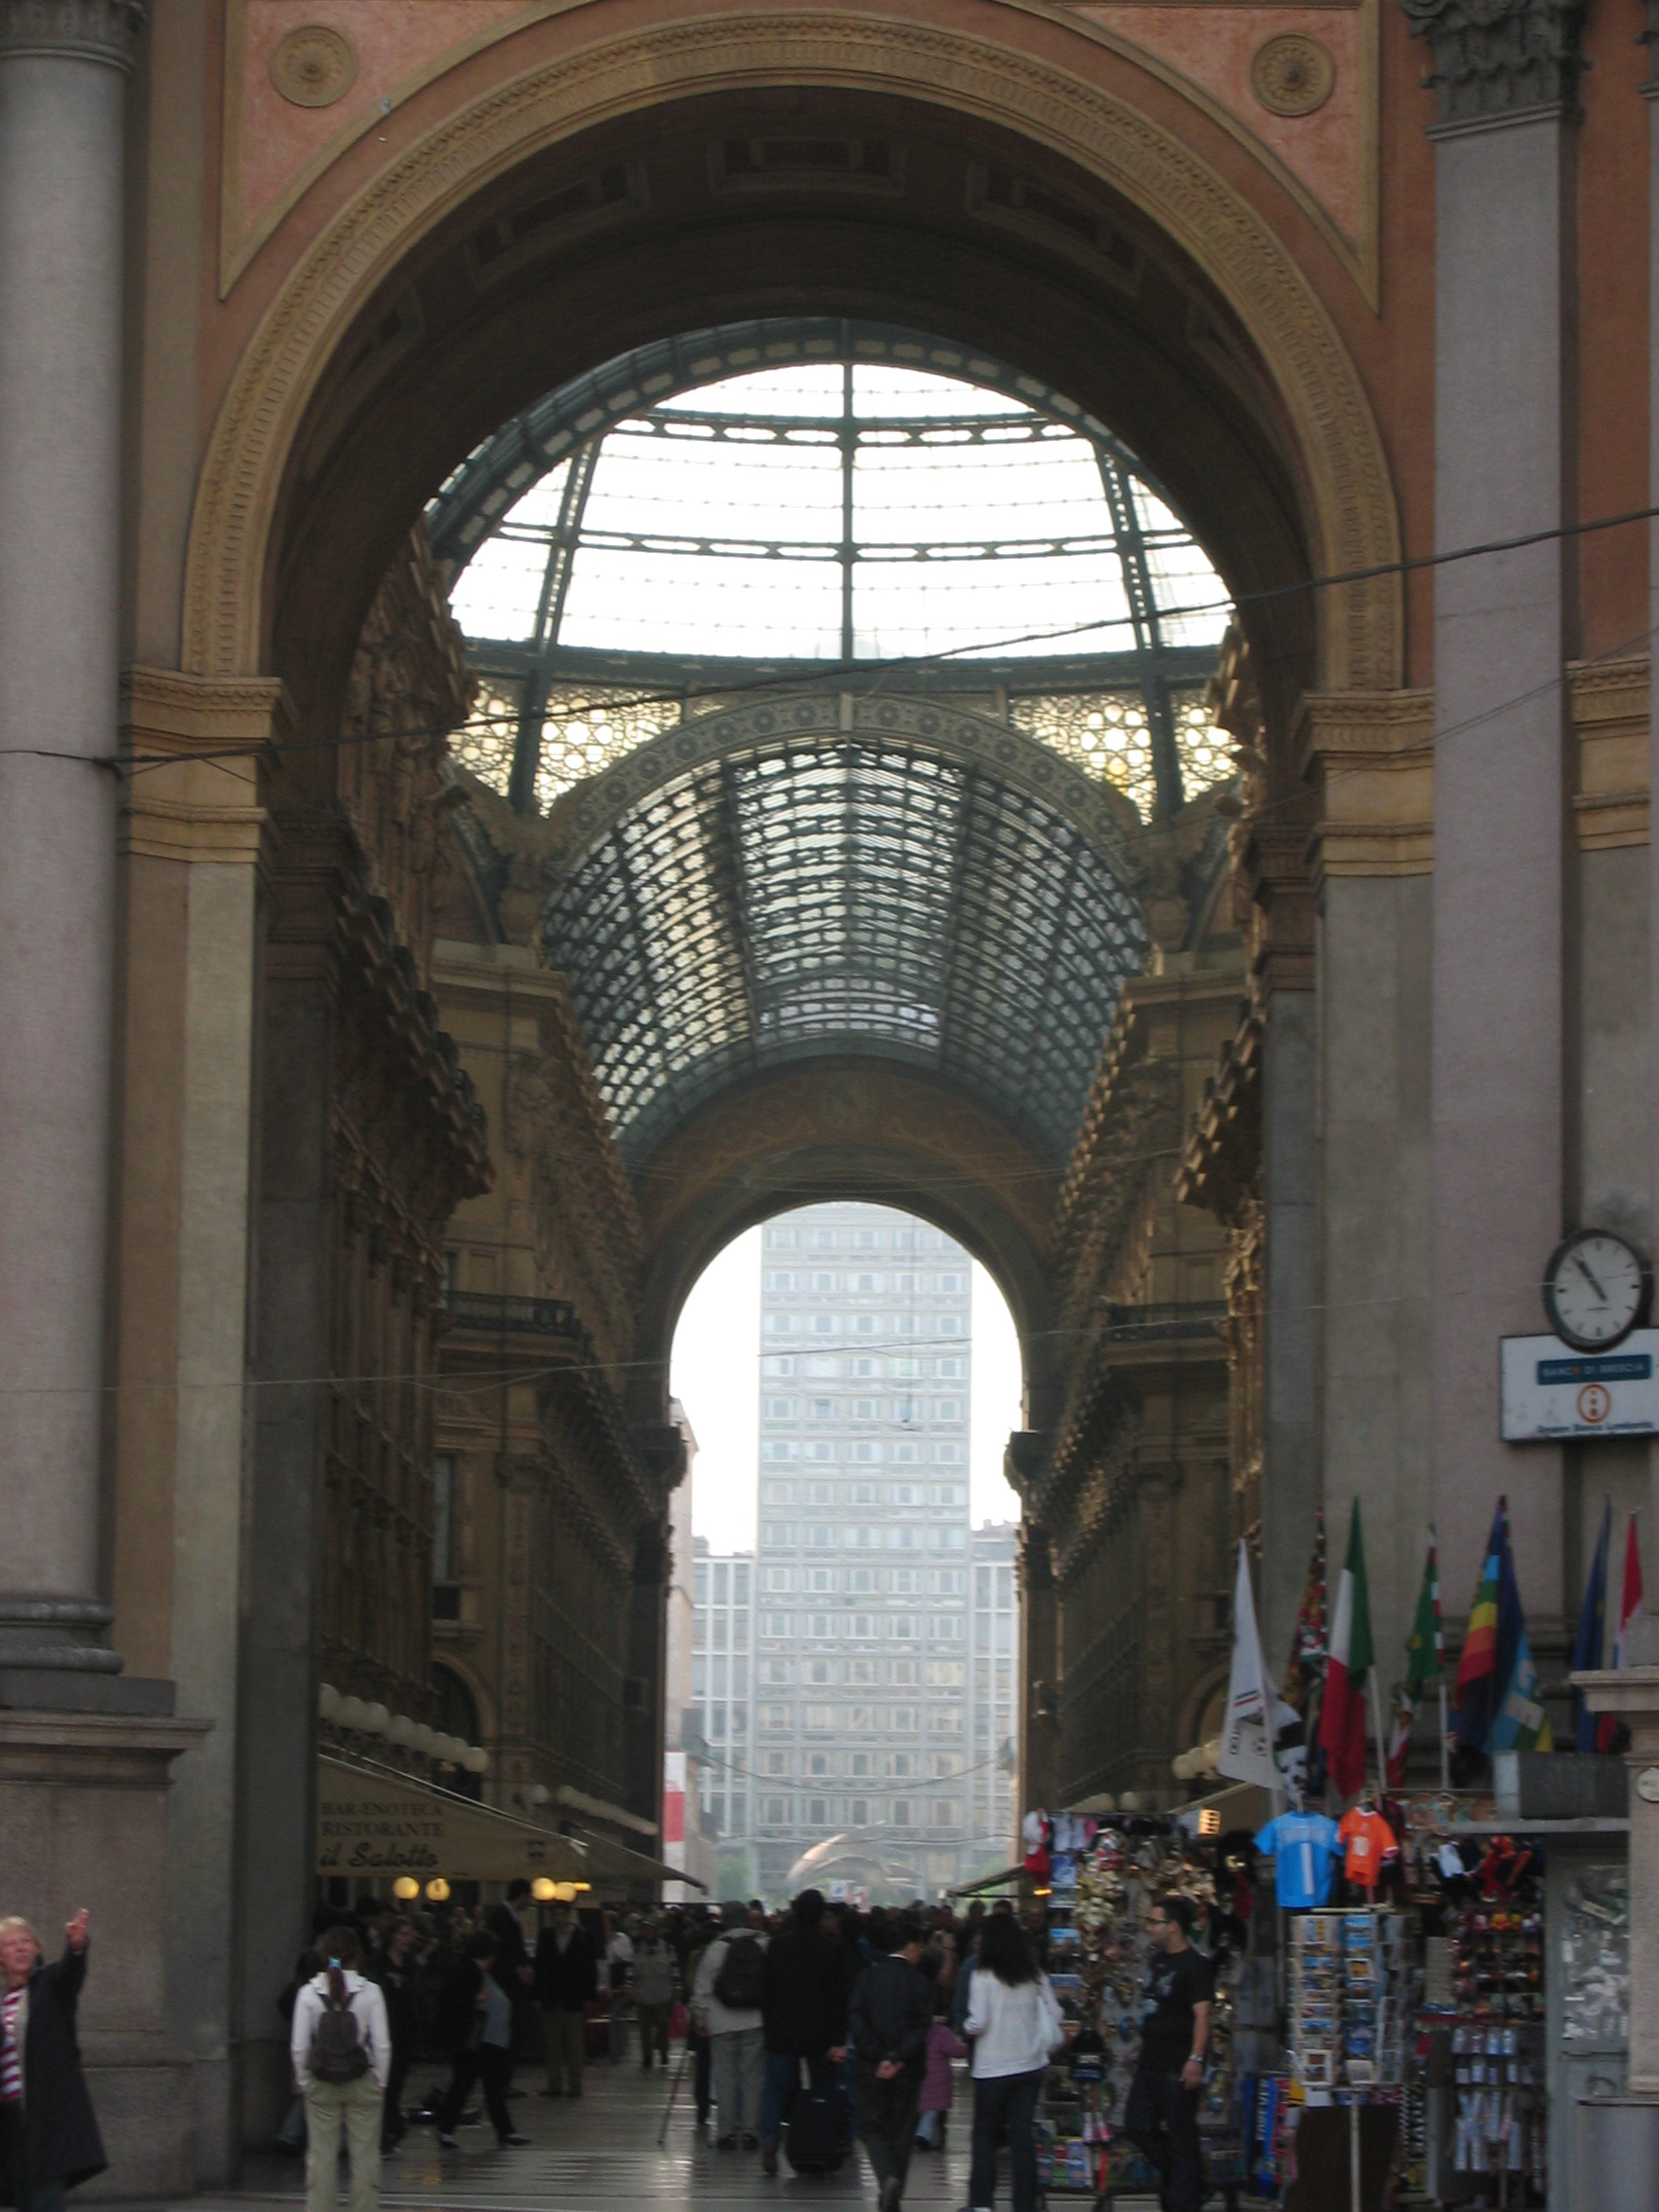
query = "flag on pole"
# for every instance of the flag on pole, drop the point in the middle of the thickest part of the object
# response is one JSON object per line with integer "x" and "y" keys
{"x": 1261, "y": 1738}
{"x": 1425, "y": 1657}
{"x": 1498, "y": 1685}
{"x": 1592, "y": 1628}
{"x": 1629, "y": 1602}
{"x": 1306, "y": 1673}
{"x": 1245, "y": 1751}
{"x": 1341, "y": 1719}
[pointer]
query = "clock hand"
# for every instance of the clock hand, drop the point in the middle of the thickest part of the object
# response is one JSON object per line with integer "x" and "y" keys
{"x": 1589, "y": 1278}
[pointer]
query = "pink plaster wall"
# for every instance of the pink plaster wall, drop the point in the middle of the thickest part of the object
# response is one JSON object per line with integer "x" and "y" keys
{"x": 392, "y": 40}
{"x": 1214, "y": 46}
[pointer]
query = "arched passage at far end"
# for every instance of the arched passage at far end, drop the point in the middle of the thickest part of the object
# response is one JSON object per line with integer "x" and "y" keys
{"x": 1318, "y": 417}
{"x": 845, "y": 1129}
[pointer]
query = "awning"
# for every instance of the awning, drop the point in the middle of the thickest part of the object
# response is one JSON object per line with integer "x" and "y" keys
{"x": 613, "y": 1862}
{"x": 991, "y": 1882}
{"x": 372, "y": 1820}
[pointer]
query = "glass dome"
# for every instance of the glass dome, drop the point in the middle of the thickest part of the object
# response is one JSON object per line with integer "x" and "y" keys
{"x": 866, "y": 517}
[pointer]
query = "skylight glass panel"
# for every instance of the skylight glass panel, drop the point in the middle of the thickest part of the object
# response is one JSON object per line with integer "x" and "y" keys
{"x": 704, "y": 604}
{"x": 498, "y": 591}
{"x": 878, "y": 390}
{"x": 1015, "y": 608}
{"x": 1190, "y": 598}
{"x": 985, "y": 493}
{"x": 810, "y": 389}
{"x": 718, "y": 488}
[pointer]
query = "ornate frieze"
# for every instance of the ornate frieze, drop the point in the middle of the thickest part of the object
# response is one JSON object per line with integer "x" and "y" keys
{"x": 1494, "y": 58}
{"x": 72, "y": 30}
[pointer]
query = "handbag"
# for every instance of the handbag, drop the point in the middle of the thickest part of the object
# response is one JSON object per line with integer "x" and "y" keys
{"x": 679, "y": 2020}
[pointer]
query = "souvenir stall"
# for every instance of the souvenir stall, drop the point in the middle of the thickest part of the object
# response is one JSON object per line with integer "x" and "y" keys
{"x": 1480, "y": 1993}
{"x": 1100, "y": 1874}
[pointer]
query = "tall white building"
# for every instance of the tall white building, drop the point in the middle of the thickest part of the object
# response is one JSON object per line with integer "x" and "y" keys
{"x": 861, "y": 1638}
{"x": 993, "y": 1691}
{"x": 721, "y": 1717}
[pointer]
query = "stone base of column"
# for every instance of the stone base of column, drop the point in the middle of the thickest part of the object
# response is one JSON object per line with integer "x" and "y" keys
{"x": 83, "y": 1809}
{"x": 60, "y": 1689}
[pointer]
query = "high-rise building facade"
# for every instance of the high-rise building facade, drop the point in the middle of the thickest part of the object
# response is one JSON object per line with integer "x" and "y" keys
{"x": 861, "y": 1653}
{"x": 993, "y": 1696}
{"x": 719, "y": 1722}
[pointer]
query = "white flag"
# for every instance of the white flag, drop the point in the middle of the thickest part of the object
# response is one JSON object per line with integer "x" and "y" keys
{"x": 1246, "y": 1755}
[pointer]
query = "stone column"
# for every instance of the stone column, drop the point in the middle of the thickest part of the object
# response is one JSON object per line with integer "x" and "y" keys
{"x": 1651, "y": 90}
{"x": 1291, "y": 1480}
{"x": 1503, "y": 307}
{"x": 1039, "y": 1670}
{"x": 63, "y": 65}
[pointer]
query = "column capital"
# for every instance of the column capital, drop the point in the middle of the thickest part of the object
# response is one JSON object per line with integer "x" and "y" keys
{"x": 193, "y": 746}
{"x": 1495, "y": 60}
{"x": 72, "y": 30}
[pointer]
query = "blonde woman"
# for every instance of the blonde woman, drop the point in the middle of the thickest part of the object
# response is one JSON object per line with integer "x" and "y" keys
{"x": 342, "y": 2052}
{"x": 49, "y": 2137}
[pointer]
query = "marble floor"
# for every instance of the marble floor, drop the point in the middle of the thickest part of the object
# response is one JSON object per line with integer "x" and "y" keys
{"x": 603, "y": 2152}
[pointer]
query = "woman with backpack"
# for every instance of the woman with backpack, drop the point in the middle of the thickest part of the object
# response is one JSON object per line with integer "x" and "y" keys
{"x": 342, "y": 2052}
{"x": 1014, "y": 2023}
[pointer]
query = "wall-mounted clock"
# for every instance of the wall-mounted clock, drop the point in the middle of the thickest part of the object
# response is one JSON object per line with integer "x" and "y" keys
{"x": 1597, "y": 1289}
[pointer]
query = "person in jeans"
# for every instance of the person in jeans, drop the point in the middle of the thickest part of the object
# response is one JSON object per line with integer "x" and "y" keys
{"x": 889, "y": 2018}
{"x": 478, "y": 2018}
{"x": 49, "y": 2138}
{"x": 726, "y": 2005}
{"x": 567, "y": 1981}
{"x": 653, "y": 1993}
{"x": 805, "y": 2008}
{"x": 1161, "y": 2114}
{"x": 335, "y": 2099}
{"x": 1013, "y": 2022}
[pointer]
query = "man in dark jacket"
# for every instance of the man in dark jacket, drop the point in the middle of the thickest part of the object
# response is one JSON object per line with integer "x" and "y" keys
{"x": 891, "y": 2013}
{"x": 49, "y": 2137}
{"x": 804, "y": 2012}
{"x": 566, "y": 1980}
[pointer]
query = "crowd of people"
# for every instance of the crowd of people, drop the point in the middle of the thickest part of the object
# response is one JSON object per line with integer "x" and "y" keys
{"x": 804, "y": 2029}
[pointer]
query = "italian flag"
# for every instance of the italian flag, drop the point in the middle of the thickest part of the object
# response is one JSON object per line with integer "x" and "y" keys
{"x": 1341, "y": 1719}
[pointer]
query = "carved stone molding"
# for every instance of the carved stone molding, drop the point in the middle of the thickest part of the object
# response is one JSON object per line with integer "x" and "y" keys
{"x": 1496, "y": 59}
{"x": 1609, "y": 706}
{"x": 73, "y": 30}
{"x": 192, "y": 746}
{"x": 1369, "y": 759}
{"x": 1350, "y": 495}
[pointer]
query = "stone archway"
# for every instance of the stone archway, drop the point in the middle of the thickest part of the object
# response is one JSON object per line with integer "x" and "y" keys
{"x": 1345, "y": 486}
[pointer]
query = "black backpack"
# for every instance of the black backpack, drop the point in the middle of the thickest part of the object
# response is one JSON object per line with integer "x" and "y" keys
{"x": 741, "y": 1982}
{"x": 336, "y": 2053}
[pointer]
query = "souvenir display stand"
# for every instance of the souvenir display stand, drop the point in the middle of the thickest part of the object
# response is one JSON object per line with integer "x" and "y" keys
{"x": 1098, "y": 1955}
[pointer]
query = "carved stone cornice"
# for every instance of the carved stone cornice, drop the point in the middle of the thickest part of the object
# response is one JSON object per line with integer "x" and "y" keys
{"x": 72, "y": 30}
{"x": 1368, "y": 757}
{"x": 207, "y": 806}
{"x": 1496, "y": 59}
{"x": 1221, "y": 1161}
{"x": 1609, "y": 701}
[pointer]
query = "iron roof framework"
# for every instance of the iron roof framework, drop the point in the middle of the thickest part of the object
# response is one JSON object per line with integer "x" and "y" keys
{"x": 770, "y": 858}
{"x": 647, "y": 391}
{"x": 834, "y": 894}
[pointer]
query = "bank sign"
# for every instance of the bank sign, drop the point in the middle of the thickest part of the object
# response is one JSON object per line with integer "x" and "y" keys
{"x": 1549, "y": 1390}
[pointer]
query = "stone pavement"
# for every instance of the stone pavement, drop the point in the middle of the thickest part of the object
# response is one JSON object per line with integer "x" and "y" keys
{"x": 601, "y": 2153}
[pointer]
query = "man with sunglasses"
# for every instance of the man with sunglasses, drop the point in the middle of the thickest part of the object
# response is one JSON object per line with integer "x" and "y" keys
{"x": 1162, "y": 2115}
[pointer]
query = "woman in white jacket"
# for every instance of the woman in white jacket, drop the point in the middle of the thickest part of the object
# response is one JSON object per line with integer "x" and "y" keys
{"x": 341, "y": 2048}
{"x": 1013, "y": 2022}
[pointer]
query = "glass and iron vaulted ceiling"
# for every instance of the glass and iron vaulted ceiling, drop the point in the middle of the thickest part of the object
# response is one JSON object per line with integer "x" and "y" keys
{"x": 785, "y": 503}
{"x": 765, "y": 615}
{"x": 809, "y": 896}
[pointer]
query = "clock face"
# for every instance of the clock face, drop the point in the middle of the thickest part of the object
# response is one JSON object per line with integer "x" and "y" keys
{"x": 1595, "y": 1290}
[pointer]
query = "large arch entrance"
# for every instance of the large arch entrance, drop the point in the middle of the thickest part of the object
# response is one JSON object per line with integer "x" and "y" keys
{"x": 433, "y": 1050}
